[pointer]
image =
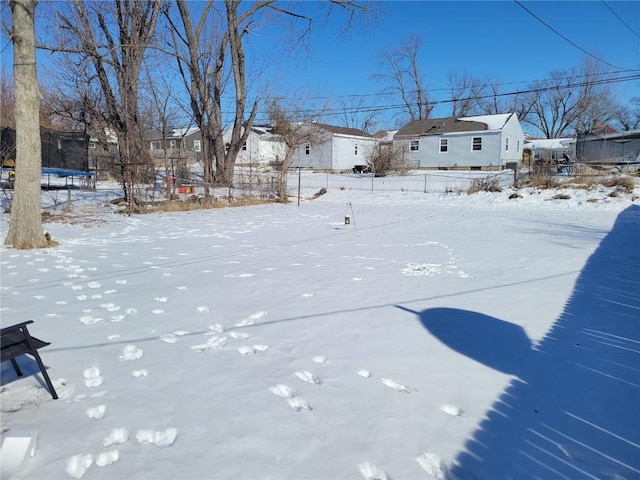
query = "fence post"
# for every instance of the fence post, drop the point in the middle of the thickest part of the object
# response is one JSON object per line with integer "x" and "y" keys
{"x": 425, "y": 183}
{"x": 299, "y": 177}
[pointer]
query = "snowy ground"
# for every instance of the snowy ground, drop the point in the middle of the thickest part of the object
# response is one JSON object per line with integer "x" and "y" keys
{"x": 438, "y": 335}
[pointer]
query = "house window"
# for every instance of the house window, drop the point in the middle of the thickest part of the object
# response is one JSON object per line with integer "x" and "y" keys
{"x": 307, "y": 149}
{"x": 476, "y": 144}
{"x": 92, "y": 145}
{"x": 506, "y": 145}
{"x": 356, "y": 149}
{"x": 156, "y": 146}
{"x": 444, "y": 145}
{"x": 415, "y": 144}
{"x": 197, "y": 146}
{"x": 172, "y": 144}
{"x": 244, "y": 146}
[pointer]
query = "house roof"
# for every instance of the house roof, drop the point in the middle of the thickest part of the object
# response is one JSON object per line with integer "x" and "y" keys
{"x": 438, "y": 126}
{"x": 344, "y": 130}
{"x": 548, "y": 143}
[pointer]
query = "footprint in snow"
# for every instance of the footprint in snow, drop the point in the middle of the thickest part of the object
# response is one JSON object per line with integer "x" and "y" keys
{"x": 298, "y": 404}
{"x": 121, "y": 282}
{"x": 284, "y": 391}
{"x": 396, "y": 386}
{"x": 111, "y": 307}
{"x": 451, "y": 410}
{"x": 113, "y": 337}
{"x": 319, "y": 359}
{"x": 116, "y": 318}
{"x": 239, "y": 335}
{"x": 131, "y": 311}
{"x": 94, "y": 285}
{"x": 203, "y": 309}
{"x": 371, "y": 472}
{"x": 81, "y": 297}
{"x": 78, "y": 465}
{"x": 181, "y": 333}
{"x": 215, "y": 329}
{"x": 169, "y": 338}
{"x": 116, "y": 436}
{"x": 158, "y": 438}
{"x": 95, "y": 413}
{"x": 251, "y": 319}
{"x": 433, "y": 465}
{"x": 89, "y": 320}
{"x": 131, "y": 352}
{"x": 364, "y": 373}
{"x": 140, "y": 373}
{"x": 308, "y": 377}
{"x": 245, "y": 350}
{"x": 161, "y": 299}
{"x": 107, "y": 458}
{"x": 92, "y": 377}
{"x": 157, "y": 311}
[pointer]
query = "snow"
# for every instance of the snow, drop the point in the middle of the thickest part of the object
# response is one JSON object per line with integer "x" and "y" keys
{"x": 438, "y": 335}
{"x": 494, "y": 122}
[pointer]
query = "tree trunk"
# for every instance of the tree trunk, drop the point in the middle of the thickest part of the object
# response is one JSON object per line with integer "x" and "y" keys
{"x": 25, "y": 228}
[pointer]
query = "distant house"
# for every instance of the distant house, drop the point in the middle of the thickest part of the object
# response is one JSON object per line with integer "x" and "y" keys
{"x": 179, "y": 144}
{"x": 550, "y": 150}
{"x": 339, "y": 149}
{"x": 620, "y": 148}
{"x": 262, "y": 147}
{"x": 476, "y": 143}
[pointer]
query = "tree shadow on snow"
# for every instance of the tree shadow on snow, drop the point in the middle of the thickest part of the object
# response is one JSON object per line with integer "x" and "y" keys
{"x": 573, "y": 410}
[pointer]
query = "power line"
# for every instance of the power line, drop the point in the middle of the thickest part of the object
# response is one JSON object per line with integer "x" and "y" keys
{"x": 620, "y": 18}
{"x": 562, "y": 36}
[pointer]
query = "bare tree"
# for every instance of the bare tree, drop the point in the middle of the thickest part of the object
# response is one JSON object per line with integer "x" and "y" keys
{"x": 629, "y": 117}
{"x": 465, "y": 90}
{"x": 577, "y": 99}
{"x": 356, "y": 114}
{"x": 25, "y": 227}
{"x": 403, "y": 79}
{"x": 107, "y": 43}
{"x": 295, "y": 130}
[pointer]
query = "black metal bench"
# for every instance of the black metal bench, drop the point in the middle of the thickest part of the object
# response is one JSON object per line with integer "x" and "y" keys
{"x": 15, "y": 341}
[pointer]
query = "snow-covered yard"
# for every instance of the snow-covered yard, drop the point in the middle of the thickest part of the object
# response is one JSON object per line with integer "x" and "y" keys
{"x": 436, "y": 335}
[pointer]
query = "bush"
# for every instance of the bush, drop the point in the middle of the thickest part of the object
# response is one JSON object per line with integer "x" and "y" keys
{"x": 621, "y": 183}
{"x": 484, "y": 185}
{"x": 387, "y": 160}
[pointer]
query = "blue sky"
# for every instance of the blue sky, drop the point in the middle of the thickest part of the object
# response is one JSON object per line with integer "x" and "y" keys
{"x": 484, "y": 38}
{"x": 496, "y": 39}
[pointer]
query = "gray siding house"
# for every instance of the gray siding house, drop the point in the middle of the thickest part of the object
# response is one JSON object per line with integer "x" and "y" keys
{"x": 482, "y": 142}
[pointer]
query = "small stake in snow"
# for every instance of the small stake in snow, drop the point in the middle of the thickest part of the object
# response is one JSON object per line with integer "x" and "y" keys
{"x": 347, "y": 219}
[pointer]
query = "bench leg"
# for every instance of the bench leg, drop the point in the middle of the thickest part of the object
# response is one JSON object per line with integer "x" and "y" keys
{"x": 43, "y": 370}
{"x": 16, "y": 367}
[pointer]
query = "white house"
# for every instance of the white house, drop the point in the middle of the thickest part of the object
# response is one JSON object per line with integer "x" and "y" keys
{"x": 551, "y": 150}
{"x": 340, "y": 149}
{"x": 262, "y": 147}
{"x": 476, "y": 143}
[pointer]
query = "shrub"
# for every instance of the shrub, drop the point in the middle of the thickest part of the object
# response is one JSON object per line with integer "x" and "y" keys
{"x": 620, "y": 182}
{"x": 484, "y": 185}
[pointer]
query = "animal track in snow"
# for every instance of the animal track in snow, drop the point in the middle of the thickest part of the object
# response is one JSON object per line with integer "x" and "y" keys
{"x": 116, "y": 436}
{"x": 169, "y": 338}
{"x": 140, "y": 373}
{"x": 92, "y": 377}
{"x": 111, "y": 307}
{"x": 107, "y": 458}
{"x": 215, "y": 329}
{"x": 161, "y": 299}
{"x": 131, "y": 311}
{"x": 214, "y": 343}
{"x": 298, "y": 404}
{"x": 395, "y": 385}
{"x": 94, "y": 285}
{"x": 308, "y": 377}
{"x": 244, "y": 350}
{"x": 433, "y": 465}
{"x": 131, "y": 352}
{"x": 371, "y": 472}
{"x": 113, "y": 337}
{"x": 319, "y": 359}
{"x": 96, "y": 412}
{"x": 81, "y": 297}
{"x": 78, "y": 465}
{"x": 159, "y": 439}
{"x": 121, "y": 282}
{"x": 251, "y": 319}
{"x": 180, "y": 333}
{"x": 203, "y": 309}
{"x": 364, "y": 373}
{"x": 239, "y": 335}
{"x": 451, "y": 410}
{"x": 116, "y": 318}
{"x": 284, "y": 391}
